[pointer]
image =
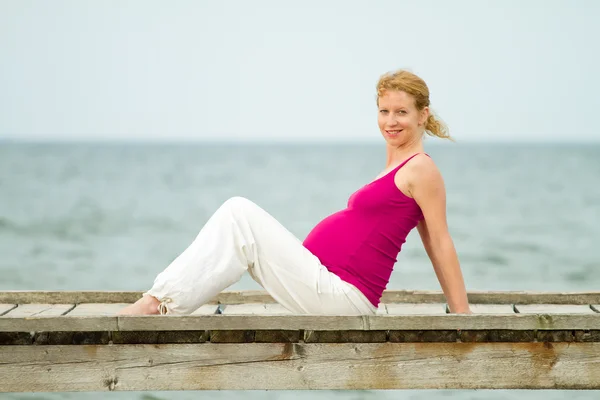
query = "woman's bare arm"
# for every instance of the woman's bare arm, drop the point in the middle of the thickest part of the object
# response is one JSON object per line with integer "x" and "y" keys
{"x": 427, "y": 188}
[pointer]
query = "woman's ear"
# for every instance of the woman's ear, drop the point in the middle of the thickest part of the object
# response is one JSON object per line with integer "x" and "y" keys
{"x": 424, "y": 115}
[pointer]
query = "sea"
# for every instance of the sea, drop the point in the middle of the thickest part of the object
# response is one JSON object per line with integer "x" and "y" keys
{"x": 112, "y": 215}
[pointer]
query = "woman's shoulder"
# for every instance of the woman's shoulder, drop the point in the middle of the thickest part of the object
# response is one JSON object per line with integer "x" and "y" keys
{"x": 418, "y": 172}
{"x": 422, "y": 164}
{"x": 423, "y": 172}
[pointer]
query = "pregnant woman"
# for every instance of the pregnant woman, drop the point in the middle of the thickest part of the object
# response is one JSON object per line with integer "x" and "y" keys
{"x": 345, "y": 263}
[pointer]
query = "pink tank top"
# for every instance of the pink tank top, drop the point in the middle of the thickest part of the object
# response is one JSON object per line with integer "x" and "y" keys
{"x": 360, "y": 243}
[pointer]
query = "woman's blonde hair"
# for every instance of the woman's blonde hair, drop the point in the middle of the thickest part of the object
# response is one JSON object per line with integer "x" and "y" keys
{"x": 410, "y": 83}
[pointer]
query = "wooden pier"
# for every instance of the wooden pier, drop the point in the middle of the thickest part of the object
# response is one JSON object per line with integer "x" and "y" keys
{"x": 73, "y": 341}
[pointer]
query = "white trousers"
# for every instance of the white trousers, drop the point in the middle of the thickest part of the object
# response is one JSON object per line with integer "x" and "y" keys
{"x": 240, "y": 236}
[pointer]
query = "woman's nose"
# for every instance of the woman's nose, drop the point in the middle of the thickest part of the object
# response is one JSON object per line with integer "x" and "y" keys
{"x": 391, "y": 121}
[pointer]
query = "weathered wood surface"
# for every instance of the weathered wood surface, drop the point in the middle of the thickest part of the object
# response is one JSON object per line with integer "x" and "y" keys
{"x": 397, "y": 316}
{"x": 207, "y": 309}
{"x": 492, "y": 309}
{"x": 295, "y": 336}
{"x": 300, "y": 366}
{"x": 243, "y": 297}
{"x": 255, "y": 309}
{"x": 59, "y": 324}
{"x": 96, "y": 309}
{"x": 35, "y": 310}
{"x": 416, "y": 309}
{"x": 553, "y": 309}
{"x": 5, "y": 308}
{"x": 513, "y": 340}
{"x": 304, "y": 322}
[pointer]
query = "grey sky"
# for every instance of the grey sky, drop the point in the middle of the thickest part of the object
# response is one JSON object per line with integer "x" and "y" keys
{"x": 294, "y": 70}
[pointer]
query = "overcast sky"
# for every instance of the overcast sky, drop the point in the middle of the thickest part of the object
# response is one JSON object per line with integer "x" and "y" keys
{"x": 294, "y": 70}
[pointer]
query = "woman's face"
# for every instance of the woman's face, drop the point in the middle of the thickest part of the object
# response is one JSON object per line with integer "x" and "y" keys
{"x": 398, "y": 118}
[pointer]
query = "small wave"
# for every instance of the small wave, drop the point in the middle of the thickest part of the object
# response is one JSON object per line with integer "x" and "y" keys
{"x": 520, "y": 246}
{"x": 577, "y": 276}
{"x": 5, "y": 223}
{"x": 78, "y": 228}
{"x": 495, "y": 259}
{"x": 70, "y": 229}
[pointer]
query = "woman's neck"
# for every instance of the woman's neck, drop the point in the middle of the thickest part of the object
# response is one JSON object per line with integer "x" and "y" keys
{"x": 397, "y": 154}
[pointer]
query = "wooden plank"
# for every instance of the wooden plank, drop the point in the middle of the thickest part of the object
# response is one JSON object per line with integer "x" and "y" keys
{"x": 38, "y": 310}
{"x": 111, "y": 309}
{"x": 241, "y": 297}
{"x": 256, "y": 309}
{"x": 416, "y": 309}
{"x": 291, "y": 366}
{"x": 4, "y": 308}
{"x": 276, "y": 336}
{"x": 305, "y": 322}
{"x": 497, "y": 335}
{"x": 241, "y": 322}
{"x": 484, "y": 321}
{"x": 233, "y": 336}
{"x": 348, "y": 336}
{"x": 287, "y": 336}
{"x": 424, "y": 296}
{"x": 382, "y": 309}
{"x": 72, "y": 338}
{"x": 58, "y": 324}
{"x": 159, "y": 337}
{"x": 492, "y": 308}
{"x": 68, "y": 297}
{"x": 553, "y": 309}
{"x": 568, "y": 336}
{"x": 423, "y": 335}
{"x": 96, "y": 309}
{"x": 495, "y": 297}
{"x": 206, "y": 309}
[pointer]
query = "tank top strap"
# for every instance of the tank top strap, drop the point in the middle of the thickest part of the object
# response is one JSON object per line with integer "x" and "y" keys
{"x": 410, "y": 158}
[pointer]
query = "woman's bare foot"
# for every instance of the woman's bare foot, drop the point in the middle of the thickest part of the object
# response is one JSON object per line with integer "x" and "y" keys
{"x": 147, "y": 305}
